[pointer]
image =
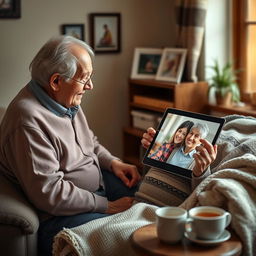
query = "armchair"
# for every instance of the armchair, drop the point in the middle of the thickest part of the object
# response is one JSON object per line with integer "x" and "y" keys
{"x": 18, "y": 221}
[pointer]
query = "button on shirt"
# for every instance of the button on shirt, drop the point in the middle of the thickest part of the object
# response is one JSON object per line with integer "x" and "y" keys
{"x": 181, "y": 159}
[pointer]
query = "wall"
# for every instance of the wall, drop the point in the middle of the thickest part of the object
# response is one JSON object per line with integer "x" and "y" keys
{"x": 145, "y": 23}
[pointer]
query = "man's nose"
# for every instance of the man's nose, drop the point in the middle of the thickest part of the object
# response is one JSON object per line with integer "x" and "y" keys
{"x": 89, "y": 85}
{"x": 192, "y": 136}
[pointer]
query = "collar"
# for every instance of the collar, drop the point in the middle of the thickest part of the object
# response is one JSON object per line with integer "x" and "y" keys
{"x": 50, "y": 103}
{"x": 191, "y": 153}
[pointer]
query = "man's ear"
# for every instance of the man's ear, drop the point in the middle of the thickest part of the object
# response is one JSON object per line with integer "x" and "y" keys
{"x": 55, "y": 82}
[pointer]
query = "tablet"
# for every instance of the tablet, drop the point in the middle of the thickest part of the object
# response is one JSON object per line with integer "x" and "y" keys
{"x": 176, "y": 138}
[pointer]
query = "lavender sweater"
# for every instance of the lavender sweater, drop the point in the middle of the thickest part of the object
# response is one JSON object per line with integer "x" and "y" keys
{"x": 55, "y": 160}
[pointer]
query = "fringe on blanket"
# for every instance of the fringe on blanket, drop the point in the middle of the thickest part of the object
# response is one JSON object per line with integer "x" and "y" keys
{"x": 107, "y": 236}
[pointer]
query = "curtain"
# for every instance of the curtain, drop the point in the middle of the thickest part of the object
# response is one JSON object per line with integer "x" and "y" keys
{"x": 190, "y": 22}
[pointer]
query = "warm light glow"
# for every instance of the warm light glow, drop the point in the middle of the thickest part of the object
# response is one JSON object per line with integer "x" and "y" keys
{"x": 251, "y": 10}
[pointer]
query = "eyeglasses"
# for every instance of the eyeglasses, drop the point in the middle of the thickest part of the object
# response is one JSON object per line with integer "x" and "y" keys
{"x": 84, "y": 83}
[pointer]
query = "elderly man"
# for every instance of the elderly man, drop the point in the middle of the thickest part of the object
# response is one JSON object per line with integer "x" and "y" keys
{"x": 184, "y": 155}
{"x": 48, "y": 149}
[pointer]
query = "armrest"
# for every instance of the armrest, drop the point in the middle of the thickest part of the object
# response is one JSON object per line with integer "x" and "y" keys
{"x": 15, "y": 209}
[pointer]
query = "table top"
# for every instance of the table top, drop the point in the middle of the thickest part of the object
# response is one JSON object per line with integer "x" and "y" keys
{"x": 146, "y": 242}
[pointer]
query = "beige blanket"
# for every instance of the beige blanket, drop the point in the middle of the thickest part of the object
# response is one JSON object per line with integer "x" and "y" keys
{"x": 108, "y": 236}
{"x": 231, "y": 186}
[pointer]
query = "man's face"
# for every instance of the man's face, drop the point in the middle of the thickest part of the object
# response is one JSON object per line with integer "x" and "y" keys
{"x": 70, "y": 92}
{"x": 193, "y": 139}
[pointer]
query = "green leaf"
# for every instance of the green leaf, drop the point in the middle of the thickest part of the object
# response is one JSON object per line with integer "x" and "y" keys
{"x": 224, "y": 80}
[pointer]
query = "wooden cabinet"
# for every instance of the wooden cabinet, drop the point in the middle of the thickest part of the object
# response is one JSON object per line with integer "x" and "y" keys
{"x": 156, "y": 96}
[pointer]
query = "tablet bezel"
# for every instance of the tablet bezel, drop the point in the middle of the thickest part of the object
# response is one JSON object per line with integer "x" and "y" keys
{"x": 186, "y": 173}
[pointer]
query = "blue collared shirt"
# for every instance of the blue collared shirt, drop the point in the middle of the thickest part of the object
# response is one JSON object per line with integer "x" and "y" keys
{"x": 181, "y": 159}
{"x": 51, "y": 104}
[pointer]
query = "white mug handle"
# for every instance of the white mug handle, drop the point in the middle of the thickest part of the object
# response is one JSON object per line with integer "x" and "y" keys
{"x": 188, "y": 225}
{"x": 228, "y": 218}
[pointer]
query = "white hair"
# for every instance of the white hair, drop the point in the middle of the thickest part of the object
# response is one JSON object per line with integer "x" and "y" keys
{"x": 56, "y": 57}
{"x": 203, "y": 129}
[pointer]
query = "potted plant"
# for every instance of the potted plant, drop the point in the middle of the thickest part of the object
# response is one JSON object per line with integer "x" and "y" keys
{"x": 223, "y": 81}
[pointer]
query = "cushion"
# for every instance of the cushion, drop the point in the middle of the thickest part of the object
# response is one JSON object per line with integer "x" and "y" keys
{"x": 161, "y": 188}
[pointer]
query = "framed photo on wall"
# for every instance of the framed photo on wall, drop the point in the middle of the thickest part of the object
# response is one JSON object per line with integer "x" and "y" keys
{"x": 9, "y": 9}
{"x": 105, "y": 32}
{"x": 75, "y": 30}
{"x": 171, "y": 65}
{"x": 146, "y": 62}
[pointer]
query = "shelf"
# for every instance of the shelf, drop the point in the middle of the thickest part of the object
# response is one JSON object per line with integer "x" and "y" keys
{"x": 134, "y": 131}
{"x": 247, "y": 110}
{"x": 153, "y": 83}
{"x": 161, "y": 110}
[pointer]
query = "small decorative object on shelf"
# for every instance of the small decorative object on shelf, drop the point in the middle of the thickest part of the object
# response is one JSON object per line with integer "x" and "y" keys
{"x": 171, "y": 65}
{"x": 145, "y": 62}
{"x": 223, "y": 81}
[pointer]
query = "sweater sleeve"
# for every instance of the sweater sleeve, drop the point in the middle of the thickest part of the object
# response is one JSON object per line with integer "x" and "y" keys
{"x": 35, "y": 163}
{"x": 197, "y": 180}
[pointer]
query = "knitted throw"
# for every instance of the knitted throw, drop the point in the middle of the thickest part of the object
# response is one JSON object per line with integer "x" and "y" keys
{"x": 232, "y": 186}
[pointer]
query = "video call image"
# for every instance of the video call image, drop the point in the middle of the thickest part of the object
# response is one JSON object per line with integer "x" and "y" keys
{"x": 178, "y": 138}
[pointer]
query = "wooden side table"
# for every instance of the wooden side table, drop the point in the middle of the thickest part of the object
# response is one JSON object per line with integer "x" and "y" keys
{"x": 145, "y": 242}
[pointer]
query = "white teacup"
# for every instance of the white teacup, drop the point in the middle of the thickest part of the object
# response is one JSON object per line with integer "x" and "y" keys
{"x": 170, "y": 223}
{"x": 207, "y": 222}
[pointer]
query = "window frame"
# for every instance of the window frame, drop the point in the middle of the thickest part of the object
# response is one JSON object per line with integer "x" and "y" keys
{"x": 239, "y": 31}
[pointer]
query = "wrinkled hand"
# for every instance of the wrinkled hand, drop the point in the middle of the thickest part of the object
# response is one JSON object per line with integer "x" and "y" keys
{"x": 126, "y": 172}
{"x": 148, "y": 137}
{"x": 119, "y": 205}
{"x": 205, "y": 155}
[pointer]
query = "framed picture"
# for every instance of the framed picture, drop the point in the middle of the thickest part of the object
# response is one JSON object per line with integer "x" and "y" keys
{"x": 146, "y": 62}
{"x": 105, "y": 32}
{"x": 9, "y": 9}
{"x": 75, "y": 30}
{"x": 171, "y": 65}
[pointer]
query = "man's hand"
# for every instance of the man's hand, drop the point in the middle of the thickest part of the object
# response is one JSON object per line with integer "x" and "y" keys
{"x": 148, "y": 137}
{"x": 126, "y": 172}
{"x": 119, "y": 205}
{"x": 205, "y": 155}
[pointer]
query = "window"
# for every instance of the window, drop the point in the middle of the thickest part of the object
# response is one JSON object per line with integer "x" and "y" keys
{"x": 244, "y": 44}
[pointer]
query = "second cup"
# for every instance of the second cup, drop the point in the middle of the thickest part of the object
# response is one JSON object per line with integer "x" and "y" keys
{"x": 170, "y": 223}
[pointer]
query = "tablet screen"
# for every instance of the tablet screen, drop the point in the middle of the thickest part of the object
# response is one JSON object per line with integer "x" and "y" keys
{"x": 176, "y": 138}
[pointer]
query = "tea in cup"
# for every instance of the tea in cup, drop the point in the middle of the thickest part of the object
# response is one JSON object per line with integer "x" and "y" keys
{"x": 170, "y": 223}
{"x": 207, "y": 222}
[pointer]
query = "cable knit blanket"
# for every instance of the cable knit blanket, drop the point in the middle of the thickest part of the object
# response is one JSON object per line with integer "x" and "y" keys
{"x": 232, "y": 186}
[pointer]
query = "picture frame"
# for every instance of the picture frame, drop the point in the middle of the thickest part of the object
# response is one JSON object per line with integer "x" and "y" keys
{"x": 10, "y": 9}
{"x": 145, "y": 63}
{"x": 75, "y": 30}
{"x": 171, "y": 65}
{"x": 105, "y": 33}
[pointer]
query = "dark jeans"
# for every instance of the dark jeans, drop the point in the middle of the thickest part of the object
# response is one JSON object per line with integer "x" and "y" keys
{"x": 114, "y": 189}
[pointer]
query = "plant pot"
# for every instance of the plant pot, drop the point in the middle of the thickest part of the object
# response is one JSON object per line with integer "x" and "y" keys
{"x": 224, "y": 101}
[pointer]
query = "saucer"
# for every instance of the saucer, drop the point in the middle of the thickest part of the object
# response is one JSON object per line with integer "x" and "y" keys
{"x": 192, "y": 237}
